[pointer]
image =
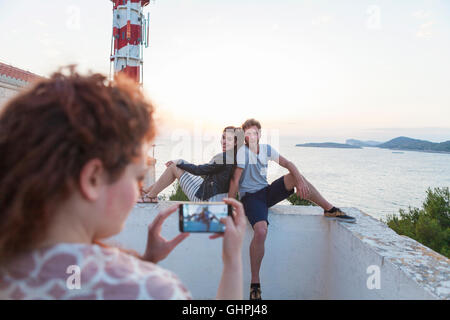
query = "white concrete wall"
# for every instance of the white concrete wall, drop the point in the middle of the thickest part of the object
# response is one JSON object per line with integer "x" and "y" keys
{"x": 307, "y": 257}
{"x": 296, "y": 262}
{"x": 7, "y": 91}
{"x": 408, "y": 270}
{"x": 349, "y": 272}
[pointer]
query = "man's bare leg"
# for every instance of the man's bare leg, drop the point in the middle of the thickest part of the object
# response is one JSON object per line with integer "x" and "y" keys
{"x": 313, "y": 196}
{"x": 167, "y": 178}
{"x": 257, "y": 249}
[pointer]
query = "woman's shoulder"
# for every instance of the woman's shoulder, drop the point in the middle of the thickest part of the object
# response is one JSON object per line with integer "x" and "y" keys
{"x": 217, "y": 158}
{"x": 138, "y": 279}
{"x": 149, "y": 281}
{"x": 77, "y": 271}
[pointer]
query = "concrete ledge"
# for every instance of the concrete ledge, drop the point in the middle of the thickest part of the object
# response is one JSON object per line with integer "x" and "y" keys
{"x": 409, "y": 258}
{"x": 307, "y": 257}
{"x": 12, "y": 83}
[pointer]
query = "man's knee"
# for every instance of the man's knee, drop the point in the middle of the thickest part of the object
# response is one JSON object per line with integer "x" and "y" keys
{"x": 260, "y": 231}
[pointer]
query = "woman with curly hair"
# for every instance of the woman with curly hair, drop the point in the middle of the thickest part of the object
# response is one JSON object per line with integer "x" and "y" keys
{"x": 72, "y": 160}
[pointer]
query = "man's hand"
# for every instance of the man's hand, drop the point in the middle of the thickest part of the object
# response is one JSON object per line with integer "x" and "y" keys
{"x": 300, "y": 182}
{"x": 159, "y": 248}
{"x": 302, "y": 188}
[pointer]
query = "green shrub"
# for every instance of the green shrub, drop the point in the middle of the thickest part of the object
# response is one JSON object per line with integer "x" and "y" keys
{"x": 295, "y": 200}
{"x": 178, "y": 194}
{"x": 429, "y": 225}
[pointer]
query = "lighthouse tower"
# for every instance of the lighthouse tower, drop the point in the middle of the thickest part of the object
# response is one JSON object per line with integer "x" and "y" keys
{"x": 130, "y": 36}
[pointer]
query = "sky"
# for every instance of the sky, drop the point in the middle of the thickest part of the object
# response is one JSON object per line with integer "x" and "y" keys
{"x": 317, "y": 70}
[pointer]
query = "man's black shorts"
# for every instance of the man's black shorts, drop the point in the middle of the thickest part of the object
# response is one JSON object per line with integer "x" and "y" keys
{"x": 257, "y": 204}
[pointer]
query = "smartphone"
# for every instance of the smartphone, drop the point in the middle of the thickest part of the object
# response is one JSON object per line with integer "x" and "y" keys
{"x": 203, "y": 216}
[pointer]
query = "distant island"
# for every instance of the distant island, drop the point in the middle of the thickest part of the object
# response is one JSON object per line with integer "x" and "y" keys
{"x": 400, "y": 143}
{"x": 328, "y": 145}
{"x": 405, "y": 143}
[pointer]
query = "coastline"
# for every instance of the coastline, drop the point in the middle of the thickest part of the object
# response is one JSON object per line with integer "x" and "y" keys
{"x": 335, "y": 146}
{"x": 417, "y": 150}
{"x": 393, "y": 149}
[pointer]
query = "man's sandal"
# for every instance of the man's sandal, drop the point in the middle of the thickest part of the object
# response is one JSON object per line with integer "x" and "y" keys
{"x": 255, "y": 292}
{"x": 337, "y": 214}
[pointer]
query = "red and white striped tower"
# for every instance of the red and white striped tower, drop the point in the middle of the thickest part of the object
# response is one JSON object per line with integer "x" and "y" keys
{"x": 130, "y": 36}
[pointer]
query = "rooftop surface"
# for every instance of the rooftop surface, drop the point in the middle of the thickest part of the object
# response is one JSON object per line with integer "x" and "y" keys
{"x": 307, "y": 257}
{"x": 13, "y": 75}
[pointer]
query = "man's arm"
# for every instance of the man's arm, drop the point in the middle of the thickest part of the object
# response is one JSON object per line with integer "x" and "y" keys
{"x": 234, "y": 183}
{"x": 285, "y": 163}
{"x": 300, "y": 183}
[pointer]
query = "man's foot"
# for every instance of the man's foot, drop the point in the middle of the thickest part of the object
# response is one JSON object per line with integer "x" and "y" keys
{"x": 255, "y": 291}
{"x": 337, "y": 214}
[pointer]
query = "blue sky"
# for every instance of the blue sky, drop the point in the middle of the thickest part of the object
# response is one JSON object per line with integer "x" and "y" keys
{"x": 322, "y": 70}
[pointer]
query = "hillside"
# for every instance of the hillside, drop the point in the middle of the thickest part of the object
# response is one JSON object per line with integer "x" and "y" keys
{"x": 405, "y": 143}
{"x": 360, "y": 143}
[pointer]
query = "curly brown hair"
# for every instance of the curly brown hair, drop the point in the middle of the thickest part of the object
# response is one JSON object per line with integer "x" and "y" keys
{"x": 250, "y": 123}
{"x": 49, "y": 132}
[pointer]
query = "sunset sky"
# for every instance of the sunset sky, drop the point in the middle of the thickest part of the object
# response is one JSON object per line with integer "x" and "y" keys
{"x": 321, "y": 70}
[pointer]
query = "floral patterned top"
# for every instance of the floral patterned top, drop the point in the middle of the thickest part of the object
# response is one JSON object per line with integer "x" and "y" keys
{"x": 86, "y": 272}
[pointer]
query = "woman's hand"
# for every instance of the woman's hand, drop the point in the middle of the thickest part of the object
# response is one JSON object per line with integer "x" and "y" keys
{"x": 234, "y": 232}
{"x": 159, "y": 248}
{"x": 230, "y": 286}
{"x": 171, "y": 162}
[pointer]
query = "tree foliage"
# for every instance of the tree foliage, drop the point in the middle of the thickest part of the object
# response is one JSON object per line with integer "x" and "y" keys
{"x": 178, "y": 194}
{"x": 295, "y": 200}
{"x": 429, "y": 225}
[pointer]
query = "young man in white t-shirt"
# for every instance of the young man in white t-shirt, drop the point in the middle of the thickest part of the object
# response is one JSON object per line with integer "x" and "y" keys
{"x": 250, "y": 177}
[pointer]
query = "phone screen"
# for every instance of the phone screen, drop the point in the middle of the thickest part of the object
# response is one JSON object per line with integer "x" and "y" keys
{"x": 203, "y": 217}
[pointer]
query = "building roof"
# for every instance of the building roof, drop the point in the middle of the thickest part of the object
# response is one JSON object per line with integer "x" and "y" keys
{"x": 18, "y": 74}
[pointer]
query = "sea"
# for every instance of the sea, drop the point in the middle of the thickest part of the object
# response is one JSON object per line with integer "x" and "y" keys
{"x": 377, "y": 181}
